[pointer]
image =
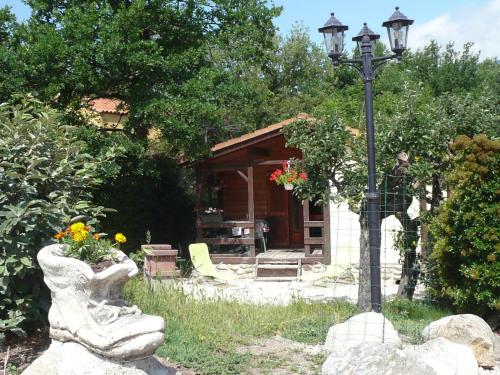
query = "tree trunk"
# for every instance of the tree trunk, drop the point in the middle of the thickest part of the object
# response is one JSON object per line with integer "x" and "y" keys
{"x": 411, "y": 267}
{"x": 364, "y": 291}
{"x": 424, "y": 235}
{"x": 437, "y": 192}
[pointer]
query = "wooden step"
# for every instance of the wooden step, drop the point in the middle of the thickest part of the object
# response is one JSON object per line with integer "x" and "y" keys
{"x": 277, "y": 261}
{"x": 277, "y": 266}
{"x": 276, "y": 278}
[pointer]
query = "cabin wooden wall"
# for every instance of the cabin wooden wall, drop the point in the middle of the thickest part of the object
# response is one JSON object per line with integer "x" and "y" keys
{"x": 234, "y": 187}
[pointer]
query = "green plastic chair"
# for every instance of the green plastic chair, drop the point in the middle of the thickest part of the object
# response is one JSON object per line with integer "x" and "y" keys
{"x": 203, "y": 264}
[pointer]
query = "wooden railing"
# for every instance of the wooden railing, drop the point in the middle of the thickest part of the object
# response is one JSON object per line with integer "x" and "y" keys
{"x": 324, "y": 224}
{"x": 247, "y": 240}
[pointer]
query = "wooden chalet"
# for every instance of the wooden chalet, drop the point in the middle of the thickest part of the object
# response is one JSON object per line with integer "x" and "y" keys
{"x": 235, "y": 195}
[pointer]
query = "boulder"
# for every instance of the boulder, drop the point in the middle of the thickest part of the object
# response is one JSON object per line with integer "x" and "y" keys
{"x": 368, "y": 358}
{"x": 445, "y": 357}
{"x": 466, "y": 329}
{"x": 436, "y": 357}
{"x": 71, "y": 358}
{"x": 365, "y": 327}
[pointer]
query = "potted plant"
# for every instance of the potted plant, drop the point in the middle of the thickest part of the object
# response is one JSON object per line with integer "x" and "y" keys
{"x": 288, "y": 176}
{"x": 93, "y": 248}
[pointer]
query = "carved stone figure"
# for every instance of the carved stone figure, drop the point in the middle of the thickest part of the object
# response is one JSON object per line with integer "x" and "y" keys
{"x": 87, "y": 309}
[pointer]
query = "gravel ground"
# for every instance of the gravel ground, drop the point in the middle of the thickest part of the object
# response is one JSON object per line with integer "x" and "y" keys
{"x": 279, "y": 293}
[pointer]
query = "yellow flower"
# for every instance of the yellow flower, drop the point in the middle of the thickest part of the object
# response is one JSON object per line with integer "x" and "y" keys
{"x": 119, "y": 237}
{"x": 77, "y": 227}
{"x": 80, "y": 235}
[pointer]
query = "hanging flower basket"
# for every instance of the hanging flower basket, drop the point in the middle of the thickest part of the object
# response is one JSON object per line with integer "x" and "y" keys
{"x": 288, "y": 177}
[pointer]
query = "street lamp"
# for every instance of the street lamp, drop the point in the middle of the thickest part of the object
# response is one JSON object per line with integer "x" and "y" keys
{"x": 334, "y": 31}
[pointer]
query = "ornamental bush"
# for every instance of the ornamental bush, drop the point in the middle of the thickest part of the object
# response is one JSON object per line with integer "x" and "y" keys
{"x": 45, "y": 179}
{"x": 465, "y": 261}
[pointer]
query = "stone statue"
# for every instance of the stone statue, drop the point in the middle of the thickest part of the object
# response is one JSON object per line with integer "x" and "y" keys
{"x": 88, "y": 314}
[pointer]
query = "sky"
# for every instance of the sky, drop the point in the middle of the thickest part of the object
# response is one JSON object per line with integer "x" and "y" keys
{"x": 459, "y": 21}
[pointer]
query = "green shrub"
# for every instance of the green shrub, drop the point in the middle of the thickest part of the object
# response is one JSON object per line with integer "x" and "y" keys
{"x": 45, "y": 179}
{"x": 465, "y": 267}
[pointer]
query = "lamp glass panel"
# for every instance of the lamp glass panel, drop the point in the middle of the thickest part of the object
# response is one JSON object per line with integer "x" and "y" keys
{"x": 359, "y": 42}
{"x": 334, "y": 41}
{"x": 328, "y": 39}
{"x": 398, "y": 34}
{"x": 338, "y": 37}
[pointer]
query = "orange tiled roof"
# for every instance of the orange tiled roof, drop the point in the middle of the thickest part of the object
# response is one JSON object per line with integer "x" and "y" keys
{"x": 109, "y": 105}
{"x": 259, "y": 132}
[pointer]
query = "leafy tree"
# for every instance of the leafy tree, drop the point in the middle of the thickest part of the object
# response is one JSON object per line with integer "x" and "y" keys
{"x": 146, "y": 188}
{"x": 181, "y": 66}
{"x": 45, "y": 179}
{"x": 11, "y": 68}
{"x": 466, "y": 235}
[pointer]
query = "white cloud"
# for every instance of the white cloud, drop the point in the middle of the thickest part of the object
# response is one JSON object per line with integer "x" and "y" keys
{"x": 477, "y": 24}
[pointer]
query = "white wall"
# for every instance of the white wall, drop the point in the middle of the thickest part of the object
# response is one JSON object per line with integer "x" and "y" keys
{"x": 345, "y": 232}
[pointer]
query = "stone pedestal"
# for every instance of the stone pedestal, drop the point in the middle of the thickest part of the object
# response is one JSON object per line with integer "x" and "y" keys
{"x": 71, "y": 358}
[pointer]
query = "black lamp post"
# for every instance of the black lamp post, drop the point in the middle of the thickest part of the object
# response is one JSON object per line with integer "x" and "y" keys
{"x": 397, "y": 28}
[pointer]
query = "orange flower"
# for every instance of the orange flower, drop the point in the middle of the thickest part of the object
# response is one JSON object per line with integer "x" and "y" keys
{"x": 60, "y": 235}
{"x": 96, "y": 236}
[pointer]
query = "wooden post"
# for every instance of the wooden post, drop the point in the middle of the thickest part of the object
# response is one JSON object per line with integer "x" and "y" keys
{"x": 307, "y": 234}
{"x": 198, "y": 207}
{"x": 251, "y": 208}
{"x": 327, "y": 251}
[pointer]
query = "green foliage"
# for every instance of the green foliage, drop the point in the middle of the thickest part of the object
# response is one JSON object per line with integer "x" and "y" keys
{"x": 147, "y": 189}
{"x": 45, "y": 179}
{"x": 465, "y": 257}
{"x": 326, "y": 144}
{"x": 186, "y": 68}
{"x": 411, "y": 317}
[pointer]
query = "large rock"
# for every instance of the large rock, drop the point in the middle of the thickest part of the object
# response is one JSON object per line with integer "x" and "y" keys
{"x": 71, "y": 358}
{"x": 436, "y": 357}
{"x": 365, "y": 327}
{"x": 466, "y": 329}
{"x": 445, "y": 357}
{"x": 368, "y": 358}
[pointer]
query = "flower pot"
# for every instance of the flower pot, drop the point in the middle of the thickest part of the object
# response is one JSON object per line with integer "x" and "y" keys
{"x": 88, "y": 311}
{"x": 288, "y": 187}
{"x": 160, "y": 261}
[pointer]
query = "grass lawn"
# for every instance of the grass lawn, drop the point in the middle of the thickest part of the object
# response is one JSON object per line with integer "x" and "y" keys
{"x": 210, "y": 336}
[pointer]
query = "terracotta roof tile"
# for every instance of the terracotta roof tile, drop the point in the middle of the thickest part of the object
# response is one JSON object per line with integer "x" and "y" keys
{"x": 109, "y": 105}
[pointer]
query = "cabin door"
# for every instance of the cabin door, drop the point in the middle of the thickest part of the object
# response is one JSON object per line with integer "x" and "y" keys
{"x": 286, "y": 218}
{"x": 295, "y": 221}
{"x": 278, "y": 213}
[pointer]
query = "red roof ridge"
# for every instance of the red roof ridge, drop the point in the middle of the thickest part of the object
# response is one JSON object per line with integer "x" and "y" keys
{"x": 260, "y": 132}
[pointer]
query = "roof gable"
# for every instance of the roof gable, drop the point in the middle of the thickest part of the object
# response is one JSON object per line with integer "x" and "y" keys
{"x": 256, "y": 135}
